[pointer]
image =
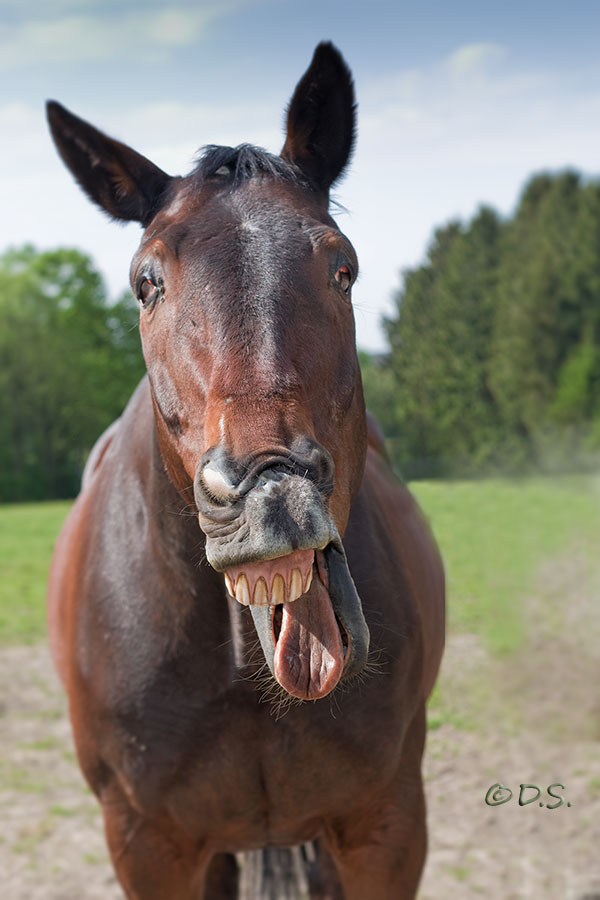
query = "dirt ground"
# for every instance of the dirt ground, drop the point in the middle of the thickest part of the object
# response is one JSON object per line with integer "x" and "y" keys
{"x": 533, "y": 718}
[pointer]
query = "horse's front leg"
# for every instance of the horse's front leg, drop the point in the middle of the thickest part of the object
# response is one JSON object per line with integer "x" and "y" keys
{"x": 380, "y": 851}
{"x": 387, "y": 863}
{"x": 154, "y": 860}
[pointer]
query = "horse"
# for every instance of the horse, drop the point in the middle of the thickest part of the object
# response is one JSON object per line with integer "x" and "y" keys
{"x": 246, "y": 607}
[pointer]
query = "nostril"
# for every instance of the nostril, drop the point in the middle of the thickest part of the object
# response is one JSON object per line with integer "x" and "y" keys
{"x": 222, "y": 480}
{"x": 272, "y": 474}
{"x": 317, "y": 463}
{"x": 217, "y": 484}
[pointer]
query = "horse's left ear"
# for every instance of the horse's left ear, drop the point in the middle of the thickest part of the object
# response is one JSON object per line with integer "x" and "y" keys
{"x": 124, "y": 183}
{"x": 321, "y": 119}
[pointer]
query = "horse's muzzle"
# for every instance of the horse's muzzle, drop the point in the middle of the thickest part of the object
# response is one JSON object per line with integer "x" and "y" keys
{"x": 264, "y": 506}
{"x": 269, "y": 530}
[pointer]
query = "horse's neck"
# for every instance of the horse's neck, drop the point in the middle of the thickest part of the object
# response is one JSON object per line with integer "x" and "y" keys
{"x": 179, "y": 543}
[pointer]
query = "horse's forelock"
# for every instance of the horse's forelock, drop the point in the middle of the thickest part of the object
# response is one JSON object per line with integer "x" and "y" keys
{"x": 243, "y": 163}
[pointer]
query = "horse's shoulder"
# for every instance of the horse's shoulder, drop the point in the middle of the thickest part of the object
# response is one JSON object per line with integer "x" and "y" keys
{"x": 375, "y": 435}
{"x": 380, "y": 479}
{"x": 76, "y": 554}
{"x": 98, "y": 452}
{"x": 393, "y": 501}
{"x": 408, "y": 534}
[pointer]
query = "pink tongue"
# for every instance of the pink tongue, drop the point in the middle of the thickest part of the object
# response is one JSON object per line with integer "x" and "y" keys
{"x": 309, "y": 656}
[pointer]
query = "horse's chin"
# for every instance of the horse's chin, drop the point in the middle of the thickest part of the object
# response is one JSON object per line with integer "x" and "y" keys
{"x": 308, "y": 617}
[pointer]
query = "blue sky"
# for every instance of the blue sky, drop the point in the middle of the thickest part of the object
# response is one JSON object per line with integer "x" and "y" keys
{"x": 458, "y": 104}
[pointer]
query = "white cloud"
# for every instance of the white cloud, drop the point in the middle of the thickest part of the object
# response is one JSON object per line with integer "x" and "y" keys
{"x": 472, "y": 59}
{"x": 98, "y": 35}
{"x": 431, "y": 147}
{"x": 58, "y": 6}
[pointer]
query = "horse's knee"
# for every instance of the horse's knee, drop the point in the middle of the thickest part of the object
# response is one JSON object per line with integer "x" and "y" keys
{"x": 152, "y": 860}
{"x": 380, "y": 852}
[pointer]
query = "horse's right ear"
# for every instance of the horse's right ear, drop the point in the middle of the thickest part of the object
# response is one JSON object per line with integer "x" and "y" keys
{"x": 124, "y": 183}
{"x": 321, "y": 119}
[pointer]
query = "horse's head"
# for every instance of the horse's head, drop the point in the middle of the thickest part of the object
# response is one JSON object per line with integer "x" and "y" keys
{"x": 244, "y": 282}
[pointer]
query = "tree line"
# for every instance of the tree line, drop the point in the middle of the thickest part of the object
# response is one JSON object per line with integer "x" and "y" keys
{"x": 493, "y": 362}
{"x": 494, "y": 343}
{"x": 69, "y": 360}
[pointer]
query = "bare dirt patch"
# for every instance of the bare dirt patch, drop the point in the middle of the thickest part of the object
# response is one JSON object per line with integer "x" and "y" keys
{"x": 532, "y": 718}
{"x": 52, "y": 842}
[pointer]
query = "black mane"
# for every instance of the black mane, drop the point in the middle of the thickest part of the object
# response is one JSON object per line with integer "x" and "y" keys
{"x": 244, "y": 162}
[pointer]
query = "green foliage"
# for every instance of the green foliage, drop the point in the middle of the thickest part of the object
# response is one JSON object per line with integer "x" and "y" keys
{"x": 379, "y": 388}
{"x": 495, "y": 342}
{"x": 577, "y": 377}
{"x": 493, "y": 363}
{"x": 440, "y": 342}
{"x": 68, "y": 362}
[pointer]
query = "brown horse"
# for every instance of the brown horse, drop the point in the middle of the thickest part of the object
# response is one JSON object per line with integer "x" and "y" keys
{"x": 213, "y": 512}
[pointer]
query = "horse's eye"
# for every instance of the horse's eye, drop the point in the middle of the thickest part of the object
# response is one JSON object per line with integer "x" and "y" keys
{"x": 146, "y": 290}
{"x": 343, "y": 276}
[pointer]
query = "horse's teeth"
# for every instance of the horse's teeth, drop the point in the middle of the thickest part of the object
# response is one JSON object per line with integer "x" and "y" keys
{"x": 278, "y": 590}
{"x": 242, "y": 592}
{"x": 261, "y": 595}
{"x": 295, "y": 585}
{"x": 308, "y": 580}
{"x": 253, "y": 590}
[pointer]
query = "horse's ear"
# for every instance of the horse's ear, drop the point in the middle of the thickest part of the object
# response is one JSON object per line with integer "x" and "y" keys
{"x": 321, "y": 118}
{"x": 124, "y": 183}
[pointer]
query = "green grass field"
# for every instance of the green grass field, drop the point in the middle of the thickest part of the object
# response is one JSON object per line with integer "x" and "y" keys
{"x": 494, "y": 536}
{"x": 27, "y": 535}
{"x": 516, "y": 699}
{"x": 505, "y": 542}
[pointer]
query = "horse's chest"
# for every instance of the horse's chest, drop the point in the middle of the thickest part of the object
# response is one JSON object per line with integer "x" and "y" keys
{"x": 239, "y": 777}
